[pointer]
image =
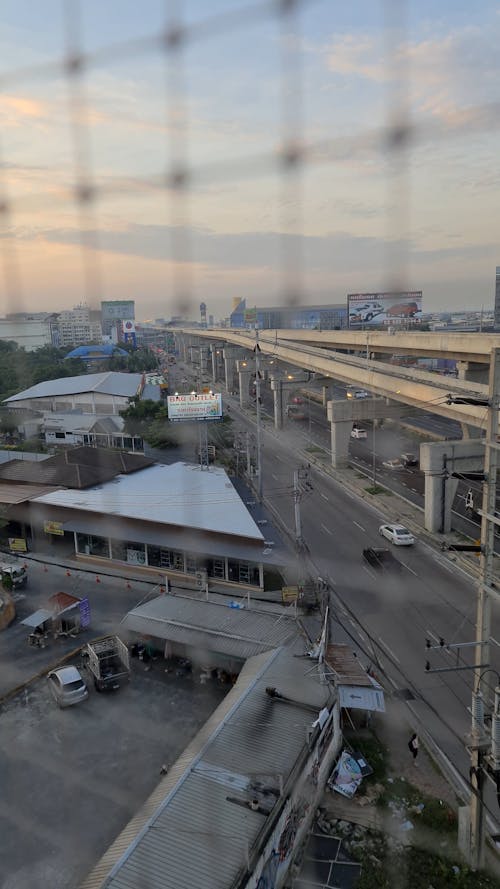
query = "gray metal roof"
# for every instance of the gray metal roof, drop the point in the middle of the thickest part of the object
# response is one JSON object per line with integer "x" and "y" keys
{"x": 196, "y": 830}
{"x": 178, "y": 494}
{"x": 236, "y": 632}
{"x": 108, "y": 383}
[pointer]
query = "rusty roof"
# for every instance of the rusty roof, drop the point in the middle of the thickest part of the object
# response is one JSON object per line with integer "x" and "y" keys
{"x": 75, "y": 468}
{"x": 346, "y": 666}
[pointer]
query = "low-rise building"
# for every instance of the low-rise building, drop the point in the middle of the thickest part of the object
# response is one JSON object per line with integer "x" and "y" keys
{"x": 105, "y": 393}
{"x": 181, "y": 521}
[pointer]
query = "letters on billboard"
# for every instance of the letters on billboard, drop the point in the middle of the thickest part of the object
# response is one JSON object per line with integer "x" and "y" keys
{"x": 195, "y": 407}
{"x": 384, "y": 309}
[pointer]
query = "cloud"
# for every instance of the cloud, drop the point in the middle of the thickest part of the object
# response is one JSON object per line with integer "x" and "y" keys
{"x": 446, "y": 74}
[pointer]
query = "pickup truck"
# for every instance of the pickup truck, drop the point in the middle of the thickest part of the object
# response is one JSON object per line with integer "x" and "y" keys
{"x": 16, "y": 572}
{"x": 108, "y": 661}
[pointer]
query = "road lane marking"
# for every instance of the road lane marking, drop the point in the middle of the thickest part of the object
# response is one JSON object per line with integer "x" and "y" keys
{"x": 325, "y": 497}
{"x": 409, "y": 569}
{"x": 275, "y": 477}
{"x": 328, "y": 531}
{"x": 389, "y": 650}
{"x": 359, "y": 526}
{"x": 373, "y": 576}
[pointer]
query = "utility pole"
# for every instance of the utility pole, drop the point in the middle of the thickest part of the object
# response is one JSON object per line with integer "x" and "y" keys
{"x": 483, "y": 616}
{"x": 257, "y": 393}
{"x": 374, "y": 456}
{"x": 296, "y": 501}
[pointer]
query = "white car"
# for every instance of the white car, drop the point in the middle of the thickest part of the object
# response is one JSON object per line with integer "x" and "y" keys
{"x": 67, "y": 686}
{"x": 392, "y": 464}
{"x": 397, "y": 534}
{"x": 358, "y": 432}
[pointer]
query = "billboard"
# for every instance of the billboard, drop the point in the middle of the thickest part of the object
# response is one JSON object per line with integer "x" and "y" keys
{"x": 195, "y": 407}
{"x": 128, "y": 332}
{"x": 384, "y": 309}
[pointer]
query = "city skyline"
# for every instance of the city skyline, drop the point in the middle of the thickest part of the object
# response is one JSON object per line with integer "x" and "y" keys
{"x": 356, "y": 224}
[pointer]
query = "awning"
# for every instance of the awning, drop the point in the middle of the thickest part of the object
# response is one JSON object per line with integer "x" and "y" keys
{"x": 38, "y": 618}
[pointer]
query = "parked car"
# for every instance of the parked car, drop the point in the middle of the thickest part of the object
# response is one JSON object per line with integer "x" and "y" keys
{"x": 392, "y": 464}
{"x": 358, "y": 432}
{"x": 382, "y": 559}
{"x": 397, "y": 534}
{"x": 409, "y": 459}
{"x": 294, "y": 412}
{"x": 67, "y": 686}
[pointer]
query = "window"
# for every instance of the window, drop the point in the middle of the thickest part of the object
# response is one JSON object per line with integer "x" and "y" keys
{"x": 91, "y": 545}
{"x": 159, "y": 557}
{"x": 215, "y": 568}
{"x": 60, "y": 435}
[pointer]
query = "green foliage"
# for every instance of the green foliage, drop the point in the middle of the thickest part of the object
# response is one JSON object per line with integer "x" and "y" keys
{"x": 7, "y": 582}
{"x": 376, "y": 489}
{"x": 137, "y": 360}
{"x": 19, "y": 369}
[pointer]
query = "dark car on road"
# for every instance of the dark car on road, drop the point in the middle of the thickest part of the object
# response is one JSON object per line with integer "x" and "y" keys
{"x": 409, "y": 460}
{"x": 381, "y": 558}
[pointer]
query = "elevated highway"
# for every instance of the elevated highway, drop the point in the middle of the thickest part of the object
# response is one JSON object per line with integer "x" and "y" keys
{"x": 470, "y": 347}
{"x": 417, "y": 388}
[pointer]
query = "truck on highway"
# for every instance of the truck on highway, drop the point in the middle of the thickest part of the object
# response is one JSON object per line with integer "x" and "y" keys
{"x": 108, "y": 661}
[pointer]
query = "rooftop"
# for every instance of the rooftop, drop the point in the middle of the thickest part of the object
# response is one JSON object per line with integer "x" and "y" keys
{"x": 178, "y": 494}
{"x": 97, "y": 352}
{"x": 219, "y": 628}
{"x": 198, "y": 828}
{"x": 76, "y": 468}
{"x": 108, "y": 383}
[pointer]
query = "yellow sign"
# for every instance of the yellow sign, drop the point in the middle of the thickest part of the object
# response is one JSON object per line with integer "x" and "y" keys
{"x": 18, "y": 545}
{"x": 289, "y": 593}
{"x": 53, "y": 528}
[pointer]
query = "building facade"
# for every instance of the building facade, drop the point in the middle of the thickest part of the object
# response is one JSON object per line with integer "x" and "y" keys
{"x": 327, "y": 317}
{"x": 497, "y": 299}
{"x": 113, "y": 312}
{"x": 28, "y": 333}
{"x": 75, "y": 327}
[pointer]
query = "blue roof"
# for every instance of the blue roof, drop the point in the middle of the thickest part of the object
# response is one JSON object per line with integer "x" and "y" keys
{"x": 106, "y": 350}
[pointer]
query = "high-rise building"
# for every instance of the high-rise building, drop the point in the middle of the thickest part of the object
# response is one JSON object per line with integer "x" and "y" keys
{"x": 113, "y": 312}
{"x": 76, "y": 327}
{"x": 497, "y": 300}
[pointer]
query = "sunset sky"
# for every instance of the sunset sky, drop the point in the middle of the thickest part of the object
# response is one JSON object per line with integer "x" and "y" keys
{"x": 353, "y": 218}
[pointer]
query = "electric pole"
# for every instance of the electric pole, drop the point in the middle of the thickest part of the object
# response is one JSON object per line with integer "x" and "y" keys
{"x": 483, "y": 616}
{"x": 257, "y": 393}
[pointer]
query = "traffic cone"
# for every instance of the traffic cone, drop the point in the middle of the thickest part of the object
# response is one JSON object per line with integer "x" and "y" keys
{"x": 128, "y": 586}
{"x": 68, "y": 573}
{"x": 97, "y": 579}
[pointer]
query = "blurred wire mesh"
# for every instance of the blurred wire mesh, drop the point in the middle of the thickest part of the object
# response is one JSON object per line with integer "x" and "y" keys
{"x": 180, "y": 167}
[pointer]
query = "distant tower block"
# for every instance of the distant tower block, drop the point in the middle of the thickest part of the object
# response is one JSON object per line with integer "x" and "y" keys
{"x": 497, "y": 299}
{"x": 203, "y": 314}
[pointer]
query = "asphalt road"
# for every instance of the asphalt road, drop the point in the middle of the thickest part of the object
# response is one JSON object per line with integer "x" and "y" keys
{"x": 386, "y": 618}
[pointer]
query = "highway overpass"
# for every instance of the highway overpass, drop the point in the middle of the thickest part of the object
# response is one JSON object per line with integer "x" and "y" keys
{"x": 417, "y": 388}
{"x": 471, "y": 347}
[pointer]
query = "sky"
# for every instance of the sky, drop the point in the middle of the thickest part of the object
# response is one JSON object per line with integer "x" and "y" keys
{"x": 181, "y": 151}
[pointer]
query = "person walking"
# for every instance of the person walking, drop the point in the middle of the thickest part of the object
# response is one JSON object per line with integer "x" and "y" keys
{"x": 413, "y": 747}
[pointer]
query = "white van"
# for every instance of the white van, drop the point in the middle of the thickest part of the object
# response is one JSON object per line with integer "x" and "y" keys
{"x": 358, "y": 432}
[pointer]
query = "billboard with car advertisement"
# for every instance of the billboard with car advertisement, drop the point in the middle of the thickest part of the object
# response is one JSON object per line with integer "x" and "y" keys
{"x": 384, "y": 309}
{"x": 195, "y": 407}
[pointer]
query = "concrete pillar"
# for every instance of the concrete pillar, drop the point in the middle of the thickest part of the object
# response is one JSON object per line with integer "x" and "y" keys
{"x": 203, "y": 359}
{"x": 473, "y": 372}
{"x": 325, "y": 390}
{"x": 245, "y": 375}
{"x": 340, "y": 436}
{"x": 438, "y": 461}
{"x": 469, "y": 431}
{"x": 277, "y": 390}
{"x": 440, "y": 493}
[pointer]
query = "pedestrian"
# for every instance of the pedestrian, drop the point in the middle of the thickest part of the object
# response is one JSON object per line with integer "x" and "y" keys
{"x": 413, "y": 747}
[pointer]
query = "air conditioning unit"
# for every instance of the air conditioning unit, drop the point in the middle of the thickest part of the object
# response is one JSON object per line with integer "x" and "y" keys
{"x": 201, "y": 579}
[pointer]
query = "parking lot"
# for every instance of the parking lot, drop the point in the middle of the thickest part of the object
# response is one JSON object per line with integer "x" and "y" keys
{"x": 71, "y": 779}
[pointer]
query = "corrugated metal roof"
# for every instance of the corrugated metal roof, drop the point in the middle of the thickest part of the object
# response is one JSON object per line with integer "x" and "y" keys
{"x": 199, "y": 835}
{"x": 348, "y": 671}
{"x": 178, "y": 494}
{"x": 20, "y": 493}
{"x": 236, "y": 632}
{"x": 108, "y": 383}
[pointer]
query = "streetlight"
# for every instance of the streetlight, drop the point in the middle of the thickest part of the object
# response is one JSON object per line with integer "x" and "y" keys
{"x": 374, "y": 462}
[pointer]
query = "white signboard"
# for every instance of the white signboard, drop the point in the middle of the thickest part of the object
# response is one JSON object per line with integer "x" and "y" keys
{"x": 194, "y": 407}
{"x": 383, "y": 309}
